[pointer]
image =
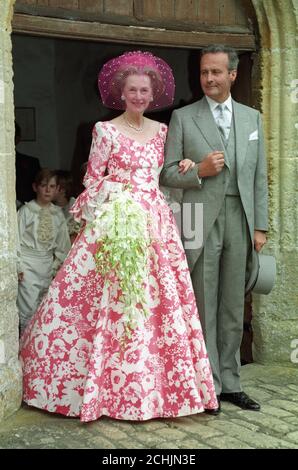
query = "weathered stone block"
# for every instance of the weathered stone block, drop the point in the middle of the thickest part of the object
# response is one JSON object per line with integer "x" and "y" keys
{"x": 10, "y": 389}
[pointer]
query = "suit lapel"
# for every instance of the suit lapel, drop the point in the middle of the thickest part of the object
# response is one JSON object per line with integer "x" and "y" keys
{"x": 241, "y": 133}
{"x": 205, "y": 122}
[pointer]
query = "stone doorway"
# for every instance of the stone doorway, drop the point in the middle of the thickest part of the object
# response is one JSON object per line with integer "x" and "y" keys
{"x": 275, "y": 318}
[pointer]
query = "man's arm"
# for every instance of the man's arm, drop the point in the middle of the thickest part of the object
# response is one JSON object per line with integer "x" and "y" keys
{"x": 174, "y": 153}
{"x": 261, "y": 185}
{"x": 211, "y": 165}
{"x": 260, "y": 193}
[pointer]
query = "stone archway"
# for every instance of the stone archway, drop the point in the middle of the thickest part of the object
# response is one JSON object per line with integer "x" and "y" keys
{"x": 275, "y": 320}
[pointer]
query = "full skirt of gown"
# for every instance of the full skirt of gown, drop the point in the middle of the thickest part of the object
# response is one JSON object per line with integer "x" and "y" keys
{"x": 76, "y": 358}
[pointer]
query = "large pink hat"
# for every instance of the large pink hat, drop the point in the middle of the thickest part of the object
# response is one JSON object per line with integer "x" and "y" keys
{"x": 114, "y": 72}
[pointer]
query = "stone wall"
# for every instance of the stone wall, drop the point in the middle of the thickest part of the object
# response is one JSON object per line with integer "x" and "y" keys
{"x": 10, "y": 372}
{"x": 275, "y": 322}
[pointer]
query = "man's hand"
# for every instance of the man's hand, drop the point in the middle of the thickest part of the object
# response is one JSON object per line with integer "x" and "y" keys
{"x": 260, "y": 240}
{"x": 212, "y": 164}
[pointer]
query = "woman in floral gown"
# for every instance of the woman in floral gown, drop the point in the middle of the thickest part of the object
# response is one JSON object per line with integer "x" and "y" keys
{"x": 118, "y": 333}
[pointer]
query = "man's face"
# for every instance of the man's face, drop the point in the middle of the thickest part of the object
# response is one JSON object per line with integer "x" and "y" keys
{"x": 216, "y": 79}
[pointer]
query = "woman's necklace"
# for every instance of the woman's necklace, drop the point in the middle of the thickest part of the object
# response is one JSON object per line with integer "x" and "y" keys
{"x": 135, "y": 128}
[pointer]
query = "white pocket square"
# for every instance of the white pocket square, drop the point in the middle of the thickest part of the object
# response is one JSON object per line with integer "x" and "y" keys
{"x": 254, "y": 135}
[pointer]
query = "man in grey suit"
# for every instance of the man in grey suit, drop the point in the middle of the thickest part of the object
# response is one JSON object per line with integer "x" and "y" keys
{"x": 229, "y": 178}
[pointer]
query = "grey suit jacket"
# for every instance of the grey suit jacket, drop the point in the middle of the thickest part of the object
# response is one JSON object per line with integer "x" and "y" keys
{"x": 193, "y": 134}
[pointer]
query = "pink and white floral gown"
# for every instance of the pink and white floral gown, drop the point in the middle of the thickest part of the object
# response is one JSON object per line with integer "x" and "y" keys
{"x": 73, "y": 360}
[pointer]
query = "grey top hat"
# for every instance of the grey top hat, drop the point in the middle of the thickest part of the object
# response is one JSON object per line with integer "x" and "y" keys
{"x": 262, "y": 273}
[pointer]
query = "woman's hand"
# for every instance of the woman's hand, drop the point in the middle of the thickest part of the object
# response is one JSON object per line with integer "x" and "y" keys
{"x": 185, "y": 165}
{"x": 20, "y": 277}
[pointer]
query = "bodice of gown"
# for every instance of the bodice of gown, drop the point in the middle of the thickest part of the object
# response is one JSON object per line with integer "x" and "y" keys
{"x": 116, "y": 158}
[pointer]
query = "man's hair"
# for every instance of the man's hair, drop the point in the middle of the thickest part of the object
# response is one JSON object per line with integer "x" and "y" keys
{"x": 231, "y": 53}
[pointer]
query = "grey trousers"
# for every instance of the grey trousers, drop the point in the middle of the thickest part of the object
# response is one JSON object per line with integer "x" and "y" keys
{"x": 219, "y": 285}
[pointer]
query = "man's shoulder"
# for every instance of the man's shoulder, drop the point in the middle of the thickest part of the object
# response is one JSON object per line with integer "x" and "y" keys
{"x": 189, "y": 108}
{"x": 244, "y": 107}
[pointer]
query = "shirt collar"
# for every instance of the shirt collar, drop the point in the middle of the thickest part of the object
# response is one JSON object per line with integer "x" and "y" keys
{"x": 212, "y": 103}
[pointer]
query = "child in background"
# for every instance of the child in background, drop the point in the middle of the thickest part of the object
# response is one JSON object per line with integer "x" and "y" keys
{"x": 43, "y": 244}
{"x": 65, "y": 200}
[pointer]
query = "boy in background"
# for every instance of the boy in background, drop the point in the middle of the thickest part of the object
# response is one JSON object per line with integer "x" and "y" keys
{"x": 43, "y": 244}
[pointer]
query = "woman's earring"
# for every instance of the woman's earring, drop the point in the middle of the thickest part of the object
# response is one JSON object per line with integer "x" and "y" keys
{"x": 151, "y": 99}
{"x": 122, "y": 97}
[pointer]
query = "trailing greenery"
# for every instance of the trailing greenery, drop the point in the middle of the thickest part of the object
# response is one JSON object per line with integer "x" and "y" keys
{"x": 122, "y": 251}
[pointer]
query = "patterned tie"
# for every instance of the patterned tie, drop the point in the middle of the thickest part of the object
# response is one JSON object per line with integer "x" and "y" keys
{"x": 222, "y": 124}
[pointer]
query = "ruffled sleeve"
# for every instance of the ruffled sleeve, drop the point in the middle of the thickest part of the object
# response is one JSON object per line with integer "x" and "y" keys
{"x": 94, "y": 177}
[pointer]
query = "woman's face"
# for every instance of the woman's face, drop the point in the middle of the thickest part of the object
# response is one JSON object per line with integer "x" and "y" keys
{"x": 137, "y": 93}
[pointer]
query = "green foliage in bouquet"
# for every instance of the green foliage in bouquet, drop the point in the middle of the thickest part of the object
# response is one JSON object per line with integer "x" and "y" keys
{"x": 122, "y": 250}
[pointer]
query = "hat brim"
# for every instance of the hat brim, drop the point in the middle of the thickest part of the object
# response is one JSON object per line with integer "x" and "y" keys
{"x": 112, "y": 76}
{"x": 262, "y": 274}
